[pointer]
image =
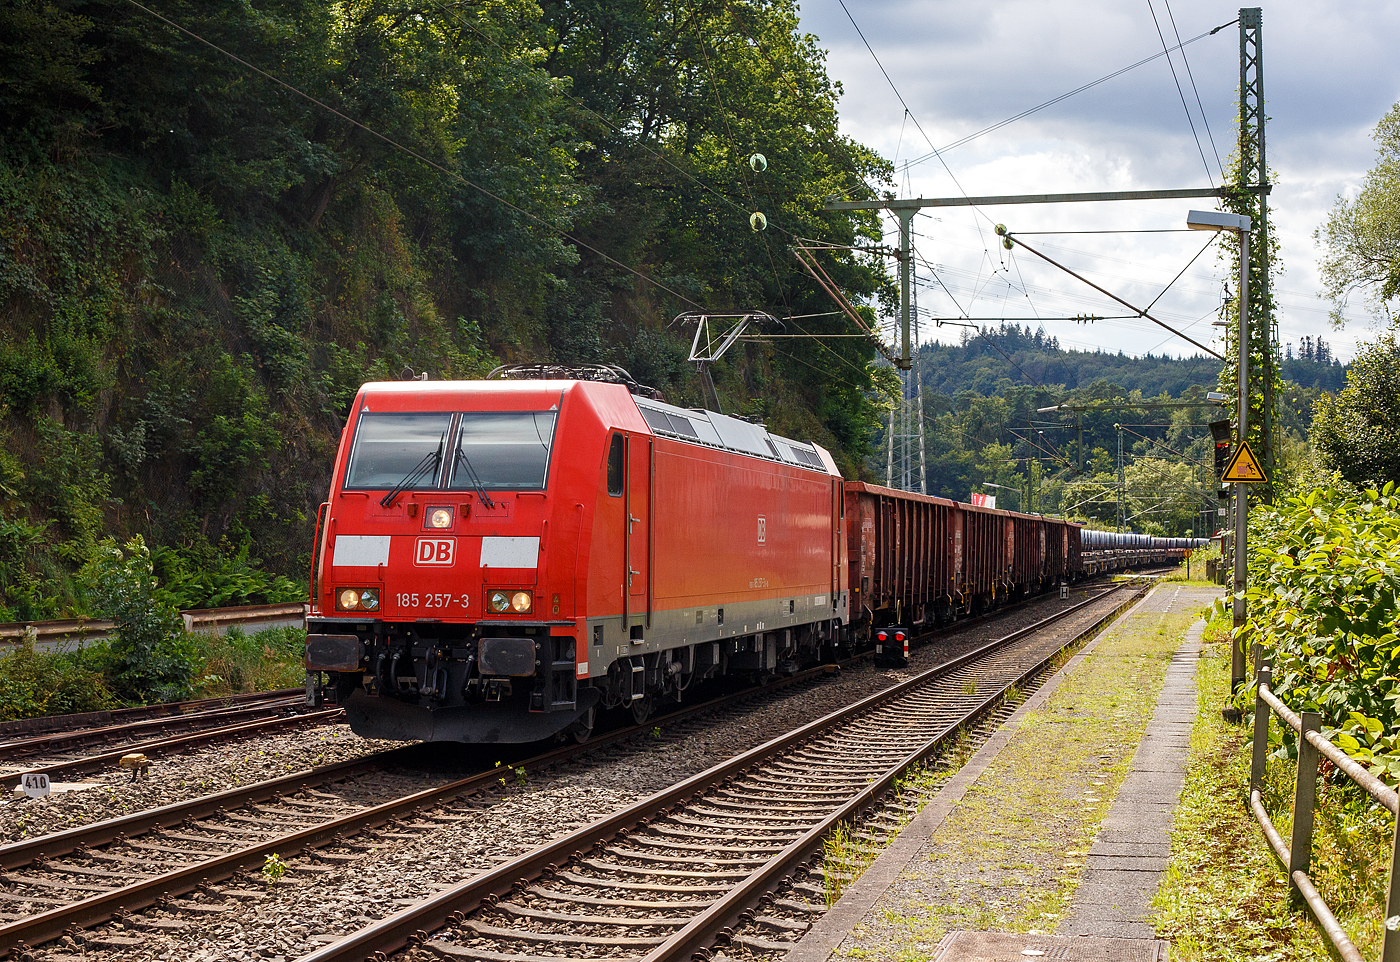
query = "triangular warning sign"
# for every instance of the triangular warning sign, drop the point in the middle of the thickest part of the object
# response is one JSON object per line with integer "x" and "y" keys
{"x": 1243, "y": 468}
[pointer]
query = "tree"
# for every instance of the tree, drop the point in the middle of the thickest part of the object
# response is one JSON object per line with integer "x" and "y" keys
{"x": 151, "y": 658}
{"x": 1361, "y": 238}
{"x": 1357, "y": 430}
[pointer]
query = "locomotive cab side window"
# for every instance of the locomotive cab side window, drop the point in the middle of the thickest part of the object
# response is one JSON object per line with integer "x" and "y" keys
{"x": 615, "y": 466}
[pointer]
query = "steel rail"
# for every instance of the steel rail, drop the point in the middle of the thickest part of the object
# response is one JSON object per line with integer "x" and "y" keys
{"x": 23, "y": 853}
{"x": 162, "y": 745}
{"x": 56, "y": 724}
{"x": 61, "y": 843}
{"x": 50, "y": 925}
{"x": 412, "y": 925}
{"x": 75, "y": 738}
{"x": 726, "y": 912}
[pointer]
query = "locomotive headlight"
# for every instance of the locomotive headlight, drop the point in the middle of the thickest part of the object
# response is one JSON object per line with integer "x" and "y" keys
{"x": 369, "y": 599}
{"x": 349, "y": 599}
{"x": 500, "y": 601}
{"x": 522, "y": 601}
{"x": 440, "y": 518}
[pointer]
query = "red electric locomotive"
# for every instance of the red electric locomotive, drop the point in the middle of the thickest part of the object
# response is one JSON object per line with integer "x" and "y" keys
{"x": 499, "y": 559}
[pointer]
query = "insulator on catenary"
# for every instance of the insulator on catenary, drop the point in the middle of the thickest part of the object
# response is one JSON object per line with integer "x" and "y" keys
{"x": 757, "y": 221}
{"x": 758, "y": 162}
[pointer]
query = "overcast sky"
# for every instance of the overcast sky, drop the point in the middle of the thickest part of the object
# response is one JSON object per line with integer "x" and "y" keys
{"x": 1330, "y": 73}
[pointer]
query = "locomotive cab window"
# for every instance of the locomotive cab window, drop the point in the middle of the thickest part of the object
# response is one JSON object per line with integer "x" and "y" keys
{"x": 503, "y": 451}
{"x": 615, "y": 466}
{"x": 392, "y": 449}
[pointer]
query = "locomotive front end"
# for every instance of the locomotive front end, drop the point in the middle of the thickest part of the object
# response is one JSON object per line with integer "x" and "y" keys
{"x": 442, "y": 586}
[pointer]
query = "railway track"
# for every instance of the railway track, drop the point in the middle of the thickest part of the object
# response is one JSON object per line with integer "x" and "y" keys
{"x": 698, "y": 862}
{"x": 62, "y": 882}
{"x": 59, "y": 883}
{"x": 216, "y": 713}
{"x": 273, "y": 715}
{"x": 56, "y": 724}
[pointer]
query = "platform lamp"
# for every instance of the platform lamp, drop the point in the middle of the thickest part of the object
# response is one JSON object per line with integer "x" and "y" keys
{"x": 1239, "y": 224}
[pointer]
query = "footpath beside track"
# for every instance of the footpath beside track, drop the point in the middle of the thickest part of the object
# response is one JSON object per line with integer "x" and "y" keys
{"x": 1036, "y": 834}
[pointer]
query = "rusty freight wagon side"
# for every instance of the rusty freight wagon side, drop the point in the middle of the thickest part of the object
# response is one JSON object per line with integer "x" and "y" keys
{"x": 921, "y": 561}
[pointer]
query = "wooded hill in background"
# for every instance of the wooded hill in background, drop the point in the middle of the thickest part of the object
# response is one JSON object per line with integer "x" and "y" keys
{"x": 983, "y": 425}
{"x": 199, "y": 267}
{"x": 979, "y": 363}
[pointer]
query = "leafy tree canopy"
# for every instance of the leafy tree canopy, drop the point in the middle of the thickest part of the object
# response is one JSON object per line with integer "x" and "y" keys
{"x": 198, "y": 267}
{"x": 1357, "y": 430}
{"x": 1361, "y": 239}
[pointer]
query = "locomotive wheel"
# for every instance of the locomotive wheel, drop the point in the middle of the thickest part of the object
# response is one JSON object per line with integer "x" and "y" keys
{"x": 582, "y": 730}
{"x": 641, "y": 710}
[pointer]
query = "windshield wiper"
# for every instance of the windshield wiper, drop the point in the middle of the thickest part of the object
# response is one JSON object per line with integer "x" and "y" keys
{"x": 476, "y": 482}
{"x": 428, "y": 465}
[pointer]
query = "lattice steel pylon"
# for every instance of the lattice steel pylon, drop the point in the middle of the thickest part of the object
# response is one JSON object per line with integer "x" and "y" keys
{"x": 905, "y": 464}
{"x": 1253, "y": 166}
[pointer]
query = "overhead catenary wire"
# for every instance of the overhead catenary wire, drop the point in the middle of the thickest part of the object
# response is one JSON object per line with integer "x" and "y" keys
{"x": 1064, "y": 96}
{"x": 1177, "y": 80}
{"x": 1115, "y": 297}
{"x": 416, "y": 155}
{"x": 1191, "y": 77}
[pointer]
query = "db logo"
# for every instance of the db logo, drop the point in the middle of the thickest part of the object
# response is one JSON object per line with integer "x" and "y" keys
{"x": 435, "y": 551}
{"x": 762, "y": 529}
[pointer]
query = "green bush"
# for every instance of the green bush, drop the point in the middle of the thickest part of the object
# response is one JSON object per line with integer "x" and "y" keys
{"x": 235, "y": 662}
{"x": 209, "y": 579}
{"x": 50, "y": 683}
{"x": 152, "y": 659}
{"x": 1324, "y": 601}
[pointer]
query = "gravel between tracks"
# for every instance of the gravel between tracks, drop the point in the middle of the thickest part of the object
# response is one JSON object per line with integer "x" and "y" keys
{"x": 175, "y": 778}
{"x": 380, "y": 871}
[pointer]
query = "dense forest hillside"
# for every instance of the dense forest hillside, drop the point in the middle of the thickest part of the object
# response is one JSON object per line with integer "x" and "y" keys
{"x": 1022, "y": 356}
{"x": 987, "y": 429}
{"x": 200, "y": 262}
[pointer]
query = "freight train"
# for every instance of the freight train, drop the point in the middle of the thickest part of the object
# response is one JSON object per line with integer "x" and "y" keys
{"x": 499, "y": 560}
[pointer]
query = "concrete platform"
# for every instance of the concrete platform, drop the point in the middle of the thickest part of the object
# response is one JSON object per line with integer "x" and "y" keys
{"x": 1107, "y": 916}
{"x": 1125, "y": 863}
{"x": 1011, "y": 947}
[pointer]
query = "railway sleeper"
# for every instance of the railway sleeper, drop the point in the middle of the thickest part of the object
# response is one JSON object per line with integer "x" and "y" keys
{"x": 613, "y": 867}
{"x": 602, "y": 902}
{"x": 755, "y": 944}
{"x": 685, "y": 847}
{"x": 660, "y": 858}
{"x": 525, "y": 912}
{"x": 724, "y": 832}
{"x": 563, "y": 938}
{"x": 450, "y": 950}
{"x": 595, "y": 883}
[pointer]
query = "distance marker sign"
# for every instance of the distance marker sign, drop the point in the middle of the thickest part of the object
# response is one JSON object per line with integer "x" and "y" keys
{"x": 1243, "y": 468}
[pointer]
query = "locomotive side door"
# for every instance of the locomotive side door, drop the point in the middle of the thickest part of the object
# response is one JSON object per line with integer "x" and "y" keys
{"x": 637, "y": 523}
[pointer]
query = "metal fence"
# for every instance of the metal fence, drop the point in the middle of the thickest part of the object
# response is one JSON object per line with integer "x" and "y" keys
{"x": 1297, "y": 856}
{"x": 78, "y": 632}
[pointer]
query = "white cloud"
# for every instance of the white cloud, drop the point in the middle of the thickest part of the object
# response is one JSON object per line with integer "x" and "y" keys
{"x": 1329, "y": 75}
